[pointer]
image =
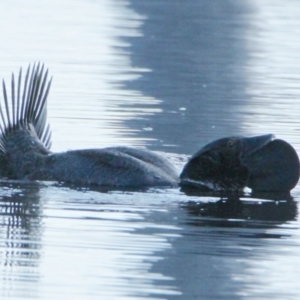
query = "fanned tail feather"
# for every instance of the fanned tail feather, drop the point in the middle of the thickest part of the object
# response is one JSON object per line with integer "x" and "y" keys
{"x": 28, "y": 109}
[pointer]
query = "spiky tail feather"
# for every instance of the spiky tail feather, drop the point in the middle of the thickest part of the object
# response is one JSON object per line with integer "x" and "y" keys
{"x": 28, "y": 109}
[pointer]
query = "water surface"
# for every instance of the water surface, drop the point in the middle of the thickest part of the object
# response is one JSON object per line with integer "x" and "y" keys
{"x": 170, "y": 76}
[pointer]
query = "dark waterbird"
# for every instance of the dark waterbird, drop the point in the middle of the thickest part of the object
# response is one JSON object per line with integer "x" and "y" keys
{"x": 260, "y": 163}
{"x": 26, "y": 139}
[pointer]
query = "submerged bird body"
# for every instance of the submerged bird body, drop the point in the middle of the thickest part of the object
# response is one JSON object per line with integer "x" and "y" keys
{"x": 25, "y": 148}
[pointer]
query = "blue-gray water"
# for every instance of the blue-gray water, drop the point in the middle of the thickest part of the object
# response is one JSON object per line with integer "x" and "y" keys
{"x": 170, "y": 76}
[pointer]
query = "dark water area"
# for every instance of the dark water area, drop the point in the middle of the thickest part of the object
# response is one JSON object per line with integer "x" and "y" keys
{"x": 197, "y": 54}
{"x": 170, "y": 76}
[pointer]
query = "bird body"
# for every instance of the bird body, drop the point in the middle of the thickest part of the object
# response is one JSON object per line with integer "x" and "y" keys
{"x": 26, "y": 140}
{"x": 232, "y": 163}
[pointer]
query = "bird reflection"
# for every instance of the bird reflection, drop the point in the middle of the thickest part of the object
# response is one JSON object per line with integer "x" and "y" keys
{"x": 281, "y": 208}
{"x": 20, "y": 231}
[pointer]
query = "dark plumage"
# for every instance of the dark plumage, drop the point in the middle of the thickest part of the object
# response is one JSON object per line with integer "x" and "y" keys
{"x": 26, "y": 139}
{"x": 232, "y": 163}
{"x": 260, "y": 163}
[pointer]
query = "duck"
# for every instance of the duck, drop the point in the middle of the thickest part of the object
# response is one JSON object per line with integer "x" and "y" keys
{"x": 261, "y": 163}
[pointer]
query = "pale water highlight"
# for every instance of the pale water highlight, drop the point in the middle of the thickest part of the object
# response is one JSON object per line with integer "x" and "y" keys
{"x": 170, "y": 76}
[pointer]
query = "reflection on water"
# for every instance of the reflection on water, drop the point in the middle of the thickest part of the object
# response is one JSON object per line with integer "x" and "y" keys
{"x": 273, "y": 71}
{"x": 171, "y": 76}
{"x": 160, "y": 244}
{"x": 53, "y": 242}
{"x": 20, "y": 238}
{"x": 235, "y": 209}
{"x": 88, "y": 57}
{"x": 197, "y": 52}
{"x": 241, "y": 257}
{"x": 106, "y": 238}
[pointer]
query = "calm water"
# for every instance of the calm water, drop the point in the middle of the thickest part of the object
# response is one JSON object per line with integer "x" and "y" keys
{"x": 170, "y": 76}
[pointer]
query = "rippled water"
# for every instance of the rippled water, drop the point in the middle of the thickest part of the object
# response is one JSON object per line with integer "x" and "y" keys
{"x": 171, "y": 76}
